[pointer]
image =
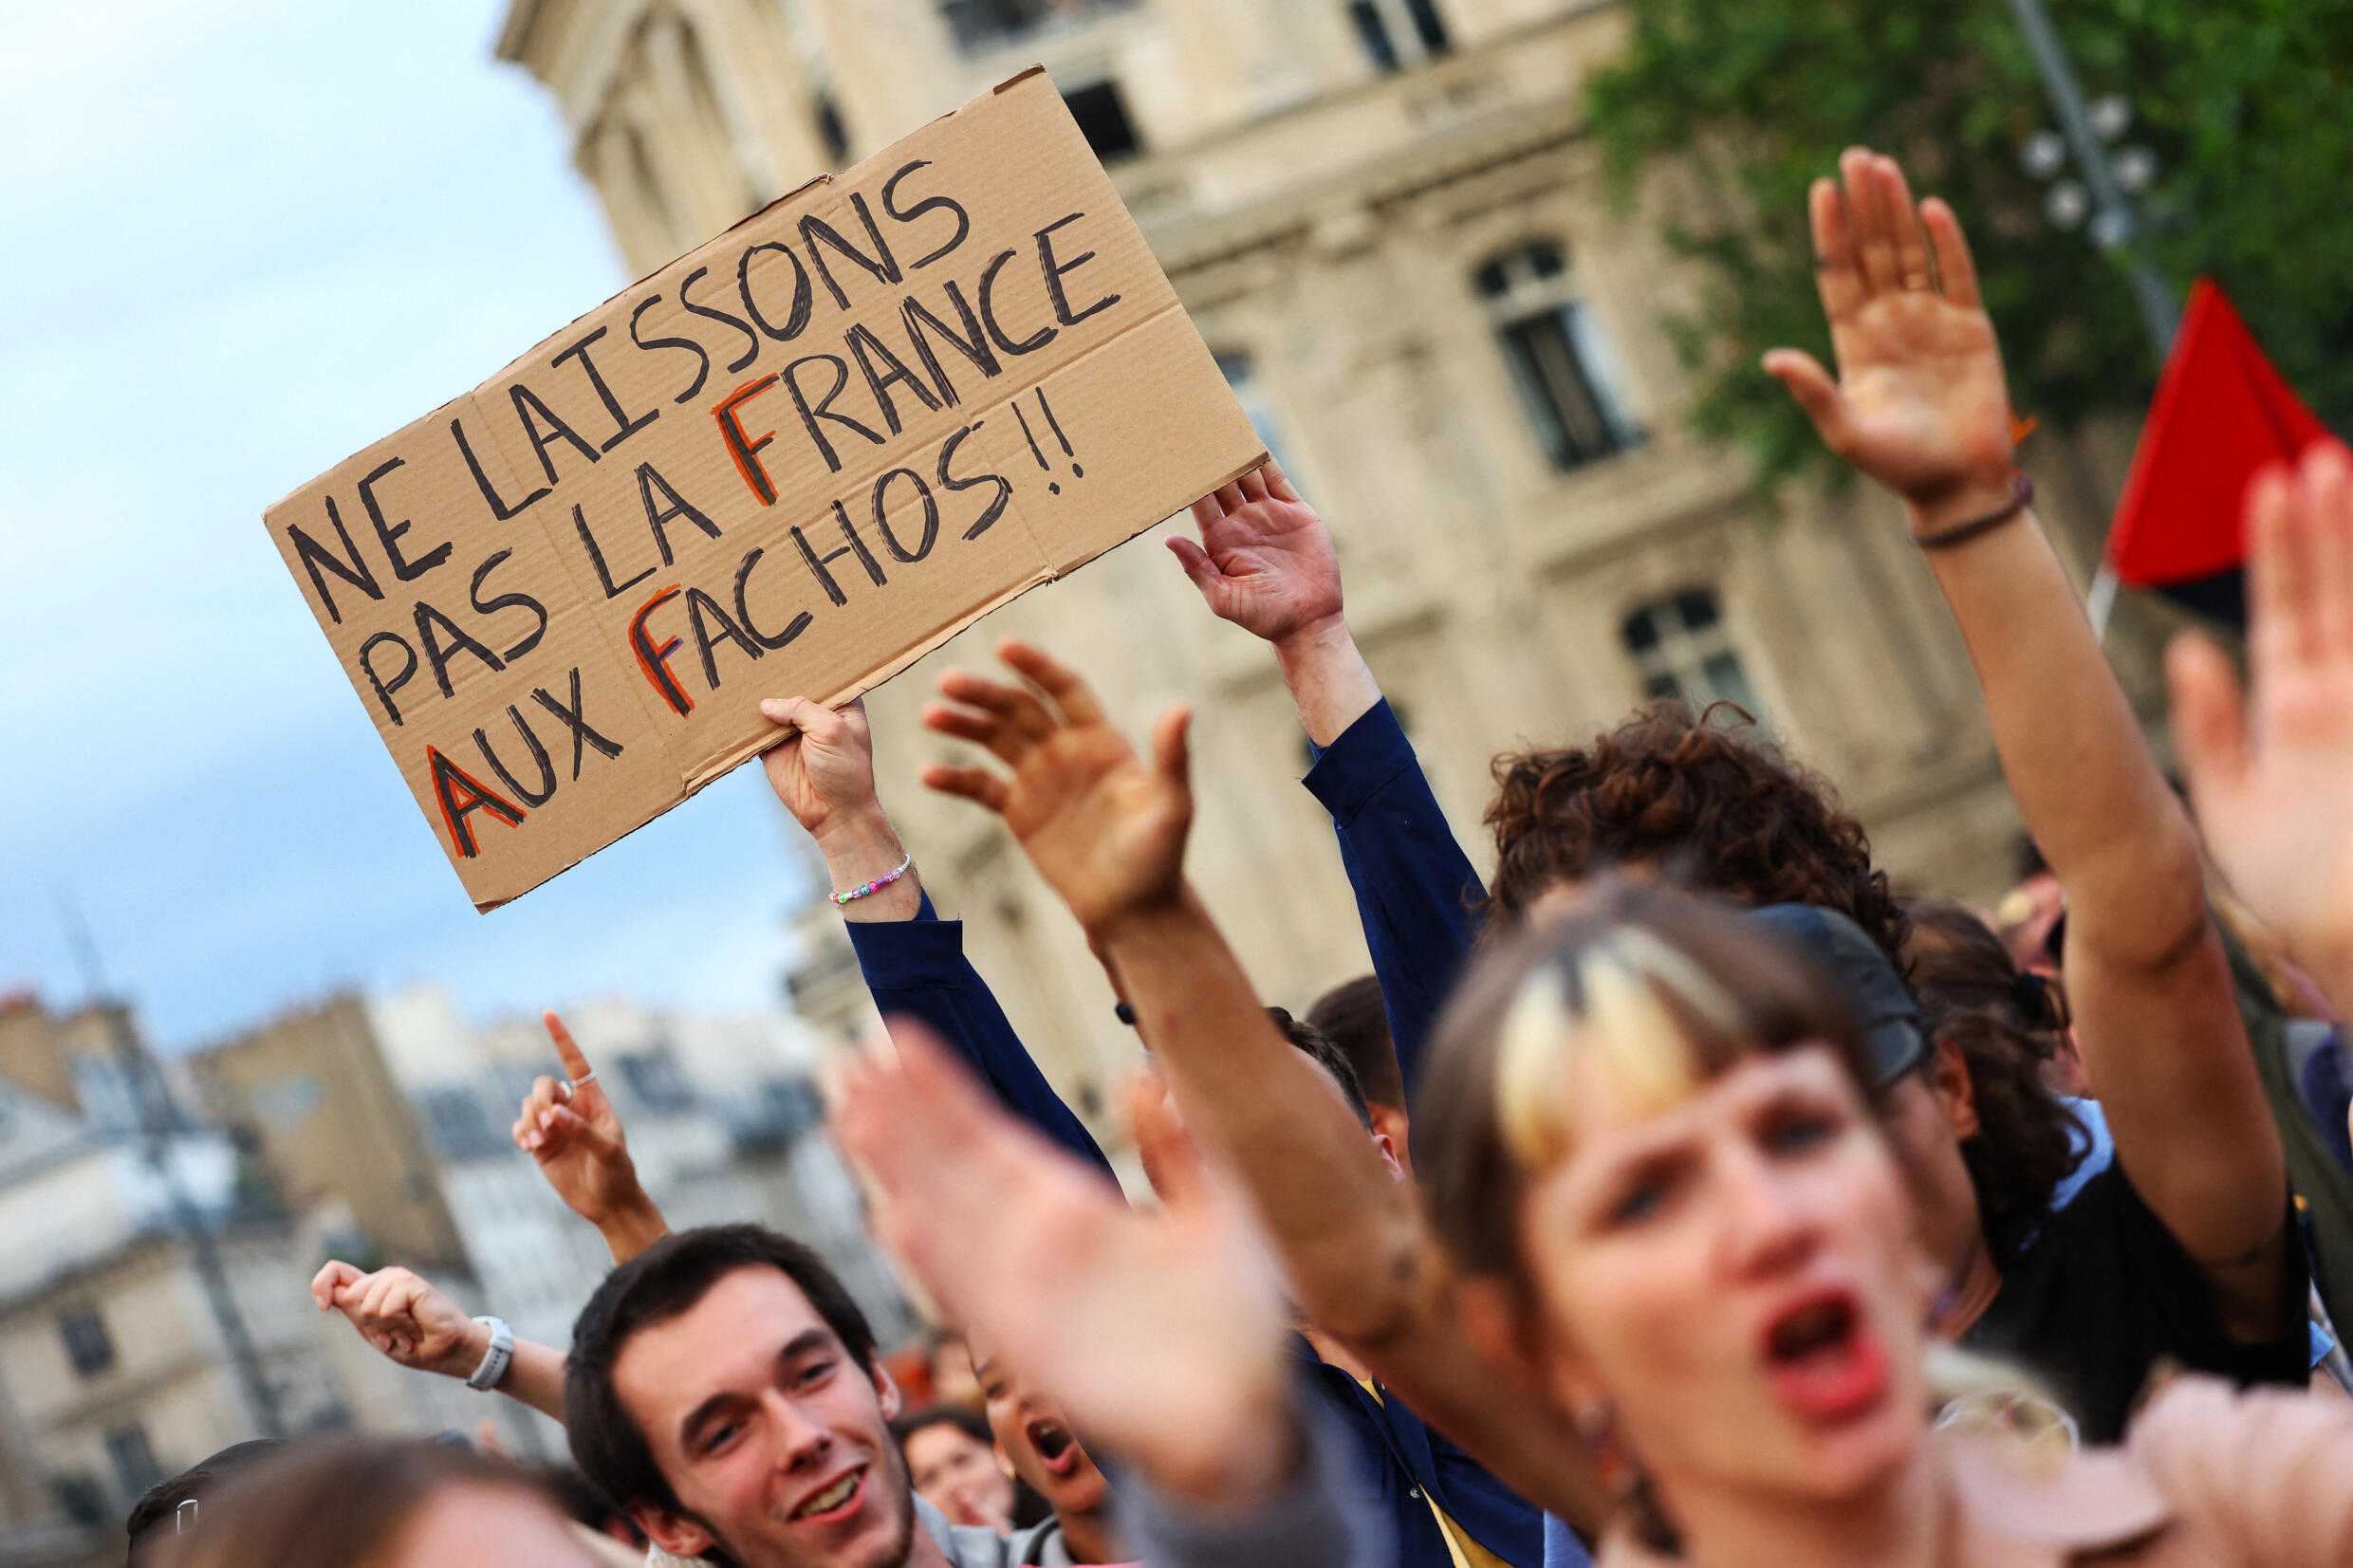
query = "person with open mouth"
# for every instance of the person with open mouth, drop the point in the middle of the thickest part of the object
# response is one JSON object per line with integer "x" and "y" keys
{"x": 1649, "y": 1139}
{"x": 1036, "y": 1438}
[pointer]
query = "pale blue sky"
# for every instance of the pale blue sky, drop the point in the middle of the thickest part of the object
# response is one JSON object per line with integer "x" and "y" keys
{"x": 243, "y": 238}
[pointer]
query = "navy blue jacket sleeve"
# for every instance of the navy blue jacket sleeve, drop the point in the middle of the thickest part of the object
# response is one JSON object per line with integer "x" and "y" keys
{"x": 1416, "y": 890}
{"x": 917, "y": 968}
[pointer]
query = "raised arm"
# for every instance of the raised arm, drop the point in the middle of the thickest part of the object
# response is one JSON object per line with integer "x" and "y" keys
{"x": 416, "y": 1326}
{"x": 571, "y": 1129}
{"x": 1265, "y": 563}
{"x": 1107, "y": 830}
{"x": 912, "y": 960}
{"x": 1922, "y": 405}
{"x": 2271, "y": 771}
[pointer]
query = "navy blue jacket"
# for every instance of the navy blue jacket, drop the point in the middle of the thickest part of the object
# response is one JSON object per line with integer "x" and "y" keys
{"x": 1420, "y": 901}
{"x": 917, "y": 968}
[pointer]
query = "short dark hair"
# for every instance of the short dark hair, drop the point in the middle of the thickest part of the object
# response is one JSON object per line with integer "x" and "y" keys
{"x": 969, "y": 1422}
{"x": 664, "y": 1282}
{"x": 1358, "y": 1022}
{"x": 162, "y": 1499}
{"x": 329, "y": 1503}
{"x": 1709, "y": 800}
{"x": 580, "y": 1499}
{"x": 1320, "y": 1050}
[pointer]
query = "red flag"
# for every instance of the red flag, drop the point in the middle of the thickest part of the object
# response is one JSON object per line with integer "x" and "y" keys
{"x": 2221, "y": 415}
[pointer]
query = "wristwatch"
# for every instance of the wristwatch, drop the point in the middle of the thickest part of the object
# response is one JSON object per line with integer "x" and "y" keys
{"x": 496, "y": 1360}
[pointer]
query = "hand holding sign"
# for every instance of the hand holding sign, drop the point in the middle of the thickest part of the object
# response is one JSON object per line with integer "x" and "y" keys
{"x": 571, "y": 1129}
{"x": 1264, "y": 561}
{"x": 821, "y": 444}
{"x": 823, "y": 771}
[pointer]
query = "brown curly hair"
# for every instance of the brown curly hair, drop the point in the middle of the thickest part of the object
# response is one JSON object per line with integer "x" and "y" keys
{"x": 2009, "y": 1025}
{"x": 1710, "y": 802}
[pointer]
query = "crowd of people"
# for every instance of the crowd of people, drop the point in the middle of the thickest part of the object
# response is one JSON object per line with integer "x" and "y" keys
{"x": 1684, "y": 1196}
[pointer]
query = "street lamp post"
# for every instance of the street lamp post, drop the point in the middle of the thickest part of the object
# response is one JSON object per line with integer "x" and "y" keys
{"x": 2114, "y": 222}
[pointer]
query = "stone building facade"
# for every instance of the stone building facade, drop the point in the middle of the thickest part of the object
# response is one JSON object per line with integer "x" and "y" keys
{"x": 1388, "y": 221}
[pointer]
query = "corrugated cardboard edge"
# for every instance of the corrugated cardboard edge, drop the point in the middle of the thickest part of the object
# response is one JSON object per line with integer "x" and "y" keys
{"x": 797, "y": 194}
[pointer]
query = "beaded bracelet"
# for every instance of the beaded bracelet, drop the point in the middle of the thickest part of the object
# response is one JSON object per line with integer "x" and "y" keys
{"x": 876, "y": 886}
{"x": 2021, "y": 497}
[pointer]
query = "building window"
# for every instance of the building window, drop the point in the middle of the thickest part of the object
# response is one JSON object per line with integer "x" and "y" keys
{"x": 83, "y": 1497}
{"x": 1102, "y": 114}
{"x": 135, "y": 1461}
{"x": 978, "y": 25}
{"x": 653, "y": 1078}
{"x": 1560, "y": 362}
{"x": 86, "y": 1343}
{"x": 830, "y": 130}
{"x": 1682, "y": 652}
{"x": 458, "y": 1125}
{"x": 1241, "y": 373}
{"x": 1398, "y": 33}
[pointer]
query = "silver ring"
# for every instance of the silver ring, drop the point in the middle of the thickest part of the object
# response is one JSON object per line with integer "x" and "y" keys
{"x": 573, "y": 1085}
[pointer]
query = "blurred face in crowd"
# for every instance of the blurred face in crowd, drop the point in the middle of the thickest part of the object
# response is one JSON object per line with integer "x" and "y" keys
{"x": 952, "y": 1382}
{"x": 1040, "y": 1445}
{"x": 478, "y": 1527}
{"x": 1726, "y": 1265}
{"x": 776, "y": 1442}
{"x": 959, "y": 1475}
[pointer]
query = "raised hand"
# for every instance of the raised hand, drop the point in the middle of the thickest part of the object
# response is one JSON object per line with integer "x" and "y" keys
{"x": 570, "y": 1128}
{"x": 404, "y": 1317}
{"x": 1921, "y": 402}
{"x": 2271, "y": 771}
{"x": 1103, "y": 825}
{"x": 823, "y": 771}
{"x": 1160, "y": 1334}
{"x": 1264, "y": 561}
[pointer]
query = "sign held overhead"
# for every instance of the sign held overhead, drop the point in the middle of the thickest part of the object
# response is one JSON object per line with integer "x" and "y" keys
{"x": 795, "y": 460}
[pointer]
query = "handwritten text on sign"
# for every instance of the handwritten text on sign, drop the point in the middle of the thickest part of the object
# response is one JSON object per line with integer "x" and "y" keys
{"x": 820, "y": 446}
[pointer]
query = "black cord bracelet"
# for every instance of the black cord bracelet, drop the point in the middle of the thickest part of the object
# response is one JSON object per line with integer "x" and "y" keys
{"x": 2022, "y": 496}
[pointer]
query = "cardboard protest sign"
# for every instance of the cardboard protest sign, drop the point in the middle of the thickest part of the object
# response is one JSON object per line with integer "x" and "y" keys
{"x": 795, "y": 460}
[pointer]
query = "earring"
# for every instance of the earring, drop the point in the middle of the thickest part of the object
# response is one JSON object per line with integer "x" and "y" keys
{"x": 1598, "y": 1425}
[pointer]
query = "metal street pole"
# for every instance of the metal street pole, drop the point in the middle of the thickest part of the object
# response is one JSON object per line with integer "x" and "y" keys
{"x": 2114, "y": 222}
{"x": 153, "y": 1116}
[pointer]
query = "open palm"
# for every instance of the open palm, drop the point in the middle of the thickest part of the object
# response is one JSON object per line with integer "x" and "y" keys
{"x": 1105, "y": 829}
{"x": 1921, "y": 402}
{"x": 2271, "y": 772}
{"x": 1159, "y": 1334}
{"x": 1264, "y": 561}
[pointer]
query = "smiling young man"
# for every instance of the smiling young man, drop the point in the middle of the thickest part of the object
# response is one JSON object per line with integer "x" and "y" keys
{"x": 724, "y": 1387}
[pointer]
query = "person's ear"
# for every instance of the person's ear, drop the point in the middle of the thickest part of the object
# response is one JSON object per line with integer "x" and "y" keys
{"x": 885, "y": 1389}
{"x": 1387, "y": 1150}
{"x": 1390, "y": 1123}
{"x": 675, "y": 1534}
{"x": 1945, "y": 1073}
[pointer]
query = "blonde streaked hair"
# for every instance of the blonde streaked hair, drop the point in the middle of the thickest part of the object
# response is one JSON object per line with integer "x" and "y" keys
{"x": 1652, "y": 987}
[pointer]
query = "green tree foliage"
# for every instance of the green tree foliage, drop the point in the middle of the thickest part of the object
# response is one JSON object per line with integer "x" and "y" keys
{"x": 2248, "y": 104}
